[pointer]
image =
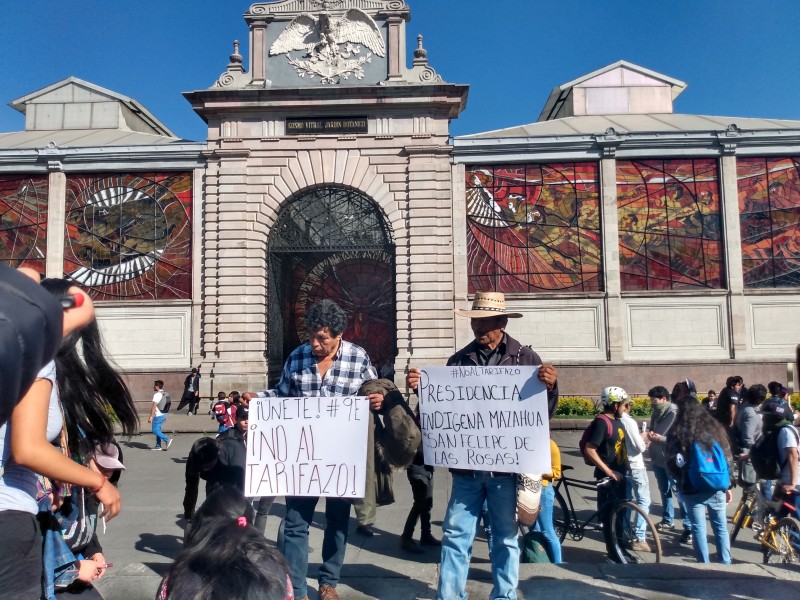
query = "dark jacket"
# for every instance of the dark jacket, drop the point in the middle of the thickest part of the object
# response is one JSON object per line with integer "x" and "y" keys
{"x": 228, "y": 470}
{"x": 514, "y": 353}
{"x": 658, "y": 449}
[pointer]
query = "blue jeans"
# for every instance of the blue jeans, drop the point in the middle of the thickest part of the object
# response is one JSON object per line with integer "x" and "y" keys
{"x": 157, "y": 423}
{"x": 460, "y": 523}
{"x": 544, "y": 523}
{"x": 714, "y": 503}
{"x": 666, "y": 485}
{"x": 640, "y": 486}
{"x": 294, "y": 543}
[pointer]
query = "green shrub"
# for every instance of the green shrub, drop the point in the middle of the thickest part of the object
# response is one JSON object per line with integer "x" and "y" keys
{"x": 575, "y": 406}
{"x": 641, "y": 407}
{"x": 578, "y": 406}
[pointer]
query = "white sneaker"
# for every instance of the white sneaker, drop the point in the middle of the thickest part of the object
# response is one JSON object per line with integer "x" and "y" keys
{"x": 156, "y": 448}
{"x": 169, "y": 443}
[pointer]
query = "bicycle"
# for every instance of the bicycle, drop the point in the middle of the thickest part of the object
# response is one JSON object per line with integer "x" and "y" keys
{"x": 751, "y": 512}
{"x": 623, "y": 521}
{"x": 778, "y": 533}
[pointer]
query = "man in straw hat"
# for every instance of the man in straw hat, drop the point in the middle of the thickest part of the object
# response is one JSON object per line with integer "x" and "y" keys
{"x": 491, "y": 346}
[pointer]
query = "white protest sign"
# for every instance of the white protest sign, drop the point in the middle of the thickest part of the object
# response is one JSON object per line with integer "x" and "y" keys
{"x": 490, "y": 418}
{"x": 307, "y": 446}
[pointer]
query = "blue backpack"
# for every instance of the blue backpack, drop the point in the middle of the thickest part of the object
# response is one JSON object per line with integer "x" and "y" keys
{"x": 708, "y": 470}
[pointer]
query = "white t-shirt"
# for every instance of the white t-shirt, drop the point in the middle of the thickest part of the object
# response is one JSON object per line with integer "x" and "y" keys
{"x": 18, "y": 484}
{"x": 633, "y": 442}
{"x": 156, "y": 400}
{"x": 787, "y": 438}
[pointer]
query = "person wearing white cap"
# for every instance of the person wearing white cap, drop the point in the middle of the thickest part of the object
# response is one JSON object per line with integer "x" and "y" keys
{"x": 491, "y": 346}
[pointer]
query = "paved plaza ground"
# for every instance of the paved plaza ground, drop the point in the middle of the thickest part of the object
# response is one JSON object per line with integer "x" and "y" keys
{"x": 148, "y": 533}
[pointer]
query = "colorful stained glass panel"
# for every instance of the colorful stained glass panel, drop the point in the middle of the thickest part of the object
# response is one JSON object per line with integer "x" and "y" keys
{"x": 129, "y": 236}
{"x": 23, "y": 221}
{"x": 769, "y": 216}
{"x": 533, "y": 228}
{"x": 668, "y": 213}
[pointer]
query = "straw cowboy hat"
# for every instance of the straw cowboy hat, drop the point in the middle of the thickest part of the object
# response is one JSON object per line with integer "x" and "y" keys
{"x": 488, "y": 304}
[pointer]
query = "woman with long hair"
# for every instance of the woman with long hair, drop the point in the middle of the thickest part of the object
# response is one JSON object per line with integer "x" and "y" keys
{"x": 93, "y": 395}
{"x": 694, "y": 432}
{"x": 225, "y": 556}
{"x": 25, "y": 450}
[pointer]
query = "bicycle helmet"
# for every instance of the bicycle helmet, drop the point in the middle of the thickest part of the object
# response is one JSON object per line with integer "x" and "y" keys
{"x": 613, "y": 395}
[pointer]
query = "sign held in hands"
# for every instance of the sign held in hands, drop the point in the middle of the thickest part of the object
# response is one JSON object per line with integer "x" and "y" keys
{"x": 307, "y": 446}
{"x": 491, "y": 418}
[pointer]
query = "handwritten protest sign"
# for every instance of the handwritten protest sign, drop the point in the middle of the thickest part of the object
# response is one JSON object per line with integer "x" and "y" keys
{"x": 485, "y": 418}
{"x": 307, "y": 446}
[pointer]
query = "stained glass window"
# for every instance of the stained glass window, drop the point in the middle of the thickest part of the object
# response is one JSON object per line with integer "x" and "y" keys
{"x": 23, "y": 221}
{"x": 129, "y": 236}
{"x": 769, "y": 214}
{"x": 669, "y": 224}
{"x": 534, "y": 228}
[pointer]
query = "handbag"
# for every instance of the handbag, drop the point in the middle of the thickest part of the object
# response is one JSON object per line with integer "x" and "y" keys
{"x": 747, "y": 473}
{"x": 529, "y": 495}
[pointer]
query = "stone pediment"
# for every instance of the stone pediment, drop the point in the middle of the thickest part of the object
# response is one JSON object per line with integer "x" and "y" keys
{"x": 298, "y": 44}
{"x": 296, "y": 7}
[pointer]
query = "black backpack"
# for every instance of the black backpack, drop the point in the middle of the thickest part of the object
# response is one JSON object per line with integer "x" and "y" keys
{"x": 764, "y": 454}
{"x": 165, "y": 402}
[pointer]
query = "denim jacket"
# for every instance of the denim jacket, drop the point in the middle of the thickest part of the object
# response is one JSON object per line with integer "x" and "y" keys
{"x": 60, "y": 567}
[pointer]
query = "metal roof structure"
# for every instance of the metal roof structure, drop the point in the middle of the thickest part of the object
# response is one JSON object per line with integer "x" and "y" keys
{"x": 653, "y": 123}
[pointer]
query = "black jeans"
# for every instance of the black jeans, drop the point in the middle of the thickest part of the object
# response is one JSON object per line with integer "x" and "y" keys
{"x": 20, "y": 555}
{"x": 609, "y": 495}
{"x": 190, "y": 399}
{"x": 421, "y": 479}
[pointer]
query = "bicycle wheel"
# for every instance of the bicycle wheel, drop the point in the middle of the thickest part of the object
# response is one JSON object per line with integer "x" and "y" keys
{"x": 785, "y": 536}
{"x": 741, "y": 516}
{"x": 628, "y": 547}
{"x": 560, "y": 517}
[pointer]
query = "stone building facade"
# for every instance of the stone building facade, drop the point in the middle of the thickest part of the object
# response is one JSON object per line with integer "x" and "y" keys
{"x": 640, "y": 245}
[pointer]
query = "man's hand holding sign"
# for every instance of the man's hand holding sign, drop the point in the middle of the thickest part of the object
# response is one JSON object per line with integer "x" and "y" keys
{"x": 488, "y": 418}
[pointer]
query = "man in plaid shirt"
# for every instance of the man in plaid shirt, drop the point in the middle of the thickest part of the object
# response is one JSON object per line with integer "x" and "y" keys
{"x": 326, "y": 365}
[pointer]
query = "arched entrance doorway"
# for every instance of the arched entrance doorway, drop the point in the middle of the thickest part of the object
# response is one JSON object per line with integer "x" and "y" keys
{"x": 332, "y": 242}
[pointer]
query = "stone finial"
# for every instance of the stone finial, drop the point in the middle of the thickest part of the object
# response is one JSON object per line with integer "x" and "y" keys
{"x": 236, "y": 58}
{"x": 420, "y": 53}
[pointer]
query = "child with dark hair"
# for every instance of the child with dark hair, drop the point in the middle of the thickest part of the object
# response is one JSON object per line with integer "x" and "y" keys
{"x": 225, "y": 557}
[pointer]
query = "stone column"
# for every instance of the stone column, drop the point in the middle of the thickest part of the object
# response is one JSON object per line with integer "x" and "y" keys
{"x": 56, "y": 217}
{"x": 732, "y": 238}
{"x": 258, "y": 49}
{"x": 427, "y": 310}
{"x": 615, "y": 330}
{"x": 395, "y": 47}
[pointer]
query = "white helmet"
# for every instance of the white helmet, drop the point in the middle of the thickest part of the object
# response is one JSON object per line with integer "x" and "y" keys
{"x": 612, "y": 395}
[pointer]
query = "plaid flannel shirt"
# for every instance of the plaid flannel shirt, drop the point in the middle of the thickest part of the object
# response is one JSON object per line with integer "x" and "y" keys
{"x": 300, "y": 377}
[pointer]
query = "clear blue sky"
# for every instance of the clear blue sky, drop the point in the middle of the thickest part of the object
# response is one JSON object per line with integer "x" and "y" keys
{"x": 740, "y": 58}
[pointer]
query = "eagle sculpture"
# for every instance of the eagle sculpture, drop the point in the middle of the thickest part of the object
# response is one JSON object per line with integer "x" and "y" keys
{"x": 320, "y": 38}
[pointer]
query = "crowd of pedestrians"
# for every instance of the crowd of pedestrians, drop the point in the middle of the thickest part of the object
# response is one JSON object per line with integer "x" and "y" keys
{"x": 61, "y": 464}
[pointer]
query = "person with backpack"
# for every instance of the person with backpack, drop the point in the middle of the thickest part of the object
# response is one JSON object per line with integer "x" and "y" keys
{"x": 664, "y": 411}
{"x": 775, "y": 456}
{"x": 158, "y": 415}
{"x": 746, "y": 430}
{"x": 222, "y": 413}
{"x": 699, "y": 458}
{"x": 603, "y": 445}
